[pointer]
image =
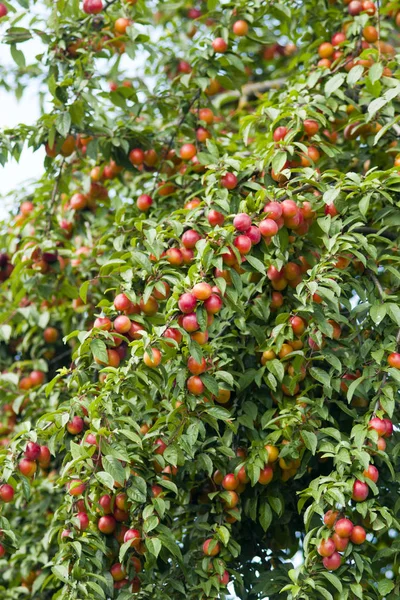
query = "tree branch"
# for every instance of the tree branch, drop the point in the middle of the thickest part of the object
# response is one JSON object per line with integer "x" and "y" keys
{"x": 377, "y": 284}
{"x": 299, "y": 190}
{"x": 254, "y": 90}
{"x": 54, "y": 194}
{"x": 108, "y": 4}
{"x": 173, "y": 136}
{"x": 370, "y": 230}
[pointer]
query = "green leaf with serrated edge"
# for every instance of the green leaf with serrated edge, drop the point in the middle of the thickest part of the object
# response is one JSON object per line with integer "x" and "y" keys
{"x": 265, "y": 514}
{"x": 83, "y": 290}
{"x": 321, "y": 376}
{"x": 333, "y": 579}
{"x": 334, "y": 83}
{"x": 352, "y": 387}
{"x": 210, "y": 383}
{"x": 378, "y": 313}
{"x": 324, "y": 592}
{"x": 113, "y": 467}
{"x": 105, "y": 479}
{"x": 279, "y": 161}
{"x": 310, "y": 440}
{"x": 99, "y": 350}
{"x": 385, "y": 586}
{"x": 153, "y": 545}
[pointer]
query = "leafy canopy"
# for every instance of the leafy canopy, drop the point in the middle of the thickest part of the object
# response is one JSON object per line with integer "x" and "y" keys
{"x": 200, "y": 302}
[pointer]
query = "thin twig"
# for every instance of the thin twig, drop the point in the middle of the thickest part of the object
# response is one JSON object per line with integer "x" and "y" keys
{"x": 377, "y": 403}
{"x": 60, "y": 356}
{"x": 377, "y": 284}
{"x": 108, "y": 4}
{"x": 173, "y": 136}
{"x": 299, "y": 190}
{"x": 54, "y": 195}
{"x": 371, "y": 230}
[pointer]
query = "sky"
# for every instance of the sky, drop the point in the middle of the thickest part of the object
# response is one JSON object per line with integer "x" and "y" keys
{"x": 13, "y": 112}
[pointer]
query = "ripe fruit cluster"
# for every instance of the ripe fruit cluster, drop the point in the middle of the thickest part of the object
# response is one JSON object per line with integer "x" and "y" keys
{"x": 384, "y": 429}
{"x": 333, "y": 53}
{"x": 34, "y": 455}
{"x": 344, "y": 532}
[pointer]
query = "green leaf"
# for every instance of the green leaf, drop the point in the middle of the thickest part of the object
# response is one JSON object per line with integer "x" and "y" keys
{"x": 219, "y": 413}
{"x": 375, "y": 72}
{"x": 385, "y": 586}
{"x": 138, "y": 490}
{"x": 363, "y": 205}
{"x": 394, "y": 312}
{"x": 333, "y": 579}
{"x": 334, "y": 83}
{"x": 61, "y": 572}
{"x": 171, "y": 455}
{"x": 113, "y": 466}
{"x": 276, "y": 504}
{"x": 83, "y": 290}
{"x": 150, "y": 523}
{"x": 63, "y": 123}
{"x": 223, "y": 534}
{"x": 169, "y": 542}
{"x": 206, "y": 463}
{"x": 153, "y": 545}
{"x": 310, "y": 440}
{"x": 321, "y": 376}
{"x": 324, "y": 593}
{"x": 276, "y": 368}
{"x": 330, "y": 195}
{"x": 105, "y": 479}
{"x": 357, "y": 590}
{"x": 210, "y": 383}
{"x": 353, "y": 386}
{"x": 264, "y": 514}
{"x": 256, "y": 263}
{"x": 355, "y": 74}
{"x": 253, "y": 471}
{"x": 278, "y": 161}
{"x": 379, "y": 103}
{"x": 95, "y": 586}
{"x": 378, "y": 312}
{"x": 195, "y": 351}
{"x": 99, "y": 350}
{"x": 18, "y": 55}
{"x": 124, "y": 549}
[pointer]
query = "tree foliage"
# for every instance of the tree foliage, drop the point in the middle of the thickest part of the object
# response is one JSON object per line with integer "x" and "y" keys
{"x": 200, "y": 302}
